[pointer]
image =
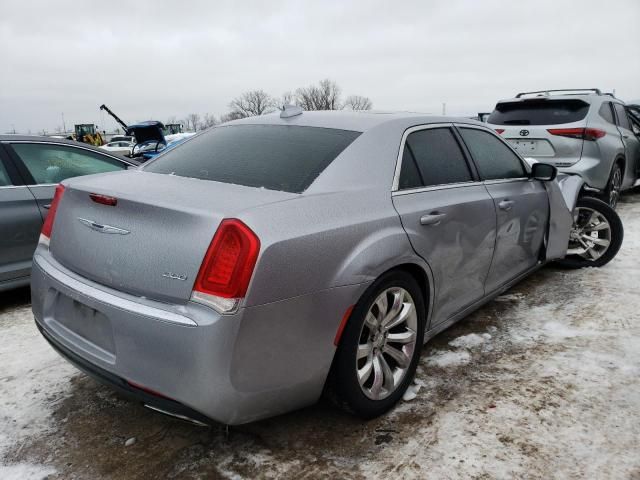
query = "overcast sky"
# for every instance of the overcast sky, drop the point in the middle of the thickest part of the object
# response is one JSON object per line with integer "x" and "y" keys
{"x": 152, "y": 60}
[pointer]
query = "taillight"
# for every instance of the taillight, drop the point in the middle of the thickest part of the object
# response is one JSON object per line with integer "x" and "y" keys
{"x": 47, "y": 226}
{"x": 227, "y": 267}
{"x": 581, "y": 133}
{"x": 499, "y": 131}
{"x": 103, "y": 199}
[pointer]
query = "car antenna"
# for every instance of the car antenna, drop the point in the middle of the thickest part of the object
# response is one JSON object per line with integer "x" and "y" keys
{"x": 290, "y": 111}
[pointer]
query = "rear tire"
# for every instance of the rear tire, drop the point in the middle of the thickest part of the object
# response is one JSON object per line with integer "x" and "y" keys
{"x": 614, "y": 187}
{"x": 380, "y": 346}
{"x": 596, "y": 235}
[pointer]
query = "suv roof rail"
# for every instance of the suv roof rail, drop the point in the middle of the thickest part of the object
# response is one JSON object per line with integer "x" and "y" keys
{"x": 547, "y": 92}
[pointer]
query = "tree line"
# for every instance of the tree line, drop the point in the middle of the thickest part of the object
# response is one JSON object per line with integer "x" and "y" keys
{"x": 325, "y": 95}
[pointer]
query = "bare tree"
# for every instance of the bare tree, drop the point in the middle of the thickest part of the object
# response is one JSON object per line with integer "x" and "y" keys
{"x": 172, "y": 119}
{"x": 324, "y": 96}
{"x": 194, "y": 120}
{"x": 209, "y": 120}
{"x": 255, "y": 102}
{"x": 357, "y": 102}
{"x": 227, "y": 117}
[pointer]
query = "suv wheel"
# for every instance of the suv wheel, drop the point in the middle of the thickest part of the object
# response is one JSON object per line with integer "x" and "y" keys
{"x": 380, "y": 346}
{"x": 612, "y": 193}
{"x": 596, "y": 235}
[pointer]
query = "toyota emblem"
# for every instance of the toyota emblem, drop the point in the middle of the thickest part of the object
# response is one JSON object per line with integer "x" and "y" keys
{"x": 524, "y": 133}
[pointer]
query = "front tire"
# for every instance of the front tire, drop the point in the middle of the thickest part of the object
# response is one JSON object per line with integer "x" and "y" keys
{"x": 380, "y": 346}
{"x": 596, "y": 235}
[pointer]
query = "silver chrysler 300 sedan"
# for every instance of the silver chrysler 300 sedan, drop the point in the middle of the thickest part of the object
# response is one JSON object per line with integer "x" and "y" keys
{"x": 269, "y": 259}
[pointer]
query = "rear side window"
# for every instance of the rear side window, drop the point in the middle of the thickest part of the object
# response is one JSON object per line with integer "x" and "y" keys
{"x": 621, "y": 113}
{"x": 276, "y": 157}
{"x": 494, "y": 159}
{"x": 4, "y": 176}
{"x": 432, "y": 157}
{"x": 53, "y": 163}
{"x": 606, "y": 113}
{"x": 539, "y": 112}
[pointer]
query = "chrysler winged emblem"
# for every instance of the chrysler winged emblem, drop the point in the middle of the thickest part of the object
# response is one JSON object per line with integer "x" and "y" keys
{"x": 102, "y": 228}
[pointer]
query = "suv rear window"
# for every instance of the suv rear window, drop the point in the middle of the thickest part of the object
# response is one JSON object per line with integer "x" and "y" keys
{"x": 276, "y": 157}
{"x": 539, "y": 112}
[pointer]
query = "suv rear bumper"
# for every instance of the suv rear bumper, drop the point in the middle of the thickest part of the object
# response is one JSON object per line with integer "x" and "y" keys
{"x": 256, "y": 363}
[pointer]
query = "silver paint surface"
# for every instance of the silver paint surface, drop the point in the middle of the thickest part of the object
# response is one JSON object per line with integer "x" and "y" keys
{"x": 320, "y": 250}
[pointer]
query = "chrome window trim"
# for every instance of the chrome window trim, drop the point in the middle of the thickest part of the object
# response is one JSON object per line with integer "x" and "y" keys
{"x": 13, "y": 186}
{"x": 80, "y": 147}
{"x": 431, "y": 188}
{"x": 407, "y": 132}
{"x": 524, "y": 164}
{"x": 43, "y": 185}
{"x": 506, "y": 180}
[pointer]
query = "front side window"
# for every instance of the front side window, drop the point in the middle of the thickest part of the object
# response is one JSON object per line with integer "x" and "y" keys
{"x": 54, "y": 163}
{"x": 432, "y": 157}
{"x": 277, "y": 157}
{"x": 494, "y": 159}
{"x": 621, "y": 113}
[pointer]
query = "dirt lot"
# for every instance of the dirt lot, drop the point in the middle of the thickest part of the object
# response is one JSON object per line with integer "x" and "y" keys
{"x": 541, "y": 383}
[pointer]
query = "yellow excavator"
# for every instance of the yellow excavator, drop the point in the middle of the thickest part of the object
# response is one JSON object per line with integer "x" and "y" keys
{"x": 88, "y": 133}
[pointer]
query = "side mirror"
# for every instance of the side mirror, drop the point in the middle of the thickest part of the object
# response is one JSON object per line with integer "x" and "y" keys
{"x": 543, "y": 172}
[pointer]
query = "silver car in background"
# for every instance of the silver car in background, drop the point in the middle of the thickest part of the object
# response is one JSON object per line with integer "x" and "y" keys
{"x": 30, "y": 169}
{"x": 579, "y": 131}
{"x": 270, "y": 259}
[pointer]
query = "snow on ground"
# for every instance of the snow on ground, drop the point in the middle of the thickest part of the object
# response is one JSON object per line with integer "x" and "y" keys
{"x": 33, "y": 380}
{"x": 541, "y": 383}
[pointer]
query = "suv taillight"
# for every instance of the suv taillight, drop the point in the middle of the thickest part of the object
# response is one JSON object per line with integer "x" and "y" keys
{"x": 227, "y": 267}
{"x": 581, "y": 133}
{"x": 47, "y": 226}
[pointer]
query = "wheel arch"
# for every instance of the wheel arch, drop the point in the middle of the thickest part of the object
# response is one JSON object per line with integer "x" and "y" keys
{"x": 421, "y": 273}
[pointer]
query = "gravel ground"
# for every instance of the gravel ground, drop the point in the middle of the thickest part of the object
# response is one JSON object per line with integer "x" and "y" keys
{"x": 541, "y": 383}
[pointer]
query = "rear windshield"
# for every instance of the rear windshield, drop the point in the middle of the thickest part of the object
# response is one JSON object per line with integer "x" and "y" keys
{"x": 539, "y": 112}
{"x": 277, "y": 157}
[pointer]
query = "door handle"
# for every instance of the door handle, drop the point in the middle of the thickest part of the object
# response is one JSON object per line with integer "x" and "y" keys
{"x": 506, "y": 205}
{"x": 47, "y": 206}
{"x": 434, "y": 218}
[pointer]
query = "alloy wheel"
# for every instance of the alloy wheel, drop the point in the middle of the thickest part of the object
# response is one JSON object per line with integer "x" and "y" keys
{"x": 614, "y": 190}
{"x": 590, "y": 235}
{"x": 387, "y": 342}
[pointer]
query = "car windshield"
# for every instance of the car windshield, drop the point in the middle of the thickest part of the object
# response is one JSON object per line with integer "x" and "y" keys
{"x": 539, "y": 112}
{"x": 276, "y": 157}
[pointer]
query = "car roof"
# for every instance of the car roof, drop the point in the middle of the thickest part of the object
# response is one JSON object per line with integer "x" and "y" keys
{"x": 351, "y": 120}
{"x": 64, "y": 141}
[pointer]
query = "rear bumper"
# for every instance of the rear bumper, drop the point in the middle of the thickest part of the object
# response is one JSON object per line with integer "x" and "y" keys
{"x": 233, "y": 369}
{"x": 119, "y": 384}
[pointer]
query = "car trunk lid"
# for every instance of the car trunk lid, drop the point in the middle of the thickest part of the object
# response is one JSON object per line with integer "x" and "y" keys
{"x": 152, "y": 241}
{"x": 536, "y": 141}
{"x": 527, "y": 124}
